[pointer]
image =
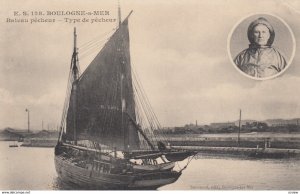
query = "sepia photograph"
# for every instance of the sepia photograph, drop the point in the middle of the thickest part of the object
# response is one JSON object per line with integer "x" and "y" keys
{"x": 118, "y": 95}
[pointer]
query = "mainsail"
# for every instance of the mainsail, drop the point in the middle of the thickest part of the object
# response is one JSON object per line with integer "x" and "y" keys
{"x": 102, "y": 107}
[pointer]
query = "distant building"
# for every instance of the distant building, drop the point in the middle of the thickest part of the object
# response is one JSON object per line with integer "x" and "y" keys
{"x": 13, "y": 134}
{"x": 45, "y": 134}
{"x": 180, "y": 130}
{"x": 285, "y": 123}
{"x": 42, "y": 138}
{"x": 222, "y": 125}
{"x": 255, "y": 125}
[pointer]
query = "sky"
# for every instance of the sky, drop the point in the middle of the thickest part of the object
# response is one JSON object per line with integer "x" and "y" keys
{"x": 178, "y": 49}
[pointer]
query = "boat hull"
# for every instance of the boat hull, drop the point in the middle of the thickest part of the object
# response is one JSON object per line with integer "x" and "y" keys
{"x": 158, "y": 167}
{"x": 179, "y": 155}
{"x": 148, "y": 182}
{"x": 91, "y": 180}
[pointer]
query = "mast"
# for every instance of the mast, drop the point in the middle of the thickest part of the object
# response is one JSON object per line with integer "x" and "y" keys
{"x": 122, "y": 115}
{"x": 75, "y": 78}
{"x": 122, "y": 77}
{"x": 119, "y": 13}
{"x": 123, "y": 103}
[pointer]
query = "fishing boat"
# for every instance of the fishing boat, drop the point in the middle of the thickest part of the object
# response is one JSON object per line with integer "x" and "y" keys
{"x": 107, "y": 138}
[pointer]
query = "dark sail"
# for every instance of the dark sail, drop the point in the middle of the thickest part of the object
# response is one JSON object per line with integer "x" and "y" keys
{"x": 103, "y": 90}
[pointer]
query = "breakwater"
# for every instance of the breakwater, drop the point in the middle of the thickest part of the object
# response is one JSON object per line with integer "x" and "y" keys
{"x": 259, "y": 145}
{"x": 39, "y": 142}
{"x": 249, "y": 152}
{"x": 248, "y": 140}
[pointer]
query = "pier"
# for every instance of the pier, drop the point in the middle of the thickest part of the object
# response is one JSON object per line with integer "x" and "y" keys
{"x": 243, "y": 151}
{"x": 258, "y": 145}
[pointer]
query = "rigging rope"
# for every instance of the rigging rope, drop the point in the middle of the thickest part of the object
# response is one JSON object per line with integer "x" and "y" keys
{"x": 93, "y": 40}
{"x": 189, "y": 160}
{"x": 92, "y": 49}
{"x": 94, "y": 45}
{"x": 146, "y": 108}
{"x": 69, "y": 90}
{"x": 67, "y": 98}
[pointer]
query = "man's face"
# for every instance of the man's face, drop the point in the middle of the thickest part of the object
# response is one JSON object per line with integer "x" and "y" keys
{"x": 261, "y": 34}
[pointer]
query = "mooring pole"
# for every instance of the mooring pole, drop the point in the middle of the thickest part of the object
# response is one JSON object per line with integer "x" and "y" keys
{"x": 239, "y": 128}
{"x": 28, "y": 117}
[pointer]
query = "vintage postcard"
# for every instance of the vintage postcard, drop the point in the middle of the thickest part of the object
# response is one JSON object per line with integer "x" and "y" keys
{"x": 149, "y": 95}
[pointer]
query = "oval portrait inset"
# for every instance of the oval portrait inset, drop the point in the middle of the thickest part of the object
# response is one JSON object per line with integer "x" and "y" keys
{"x": 261, "y": 46}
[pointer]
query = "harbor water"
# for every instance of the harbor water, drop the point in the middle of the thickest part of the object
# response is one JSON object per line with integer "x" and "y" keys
{"x": 32, "y": 168}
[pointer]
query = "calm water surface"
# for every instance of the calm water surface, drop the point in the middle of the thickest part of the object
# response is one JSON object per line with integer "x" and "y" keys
{"x": 33, "y": 169}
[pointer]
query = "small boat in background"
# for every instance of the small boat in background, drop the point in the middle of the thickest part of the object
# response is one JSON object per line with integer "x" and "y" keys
{"x": 13, "y": 145}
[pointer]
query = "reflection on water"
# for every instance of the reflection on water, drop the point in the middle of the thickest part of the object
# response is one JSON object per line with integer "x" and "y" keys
{"x": 58, "y": 184}
{"x": 221, "y": 173}
{"x": 33, "y": 169}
